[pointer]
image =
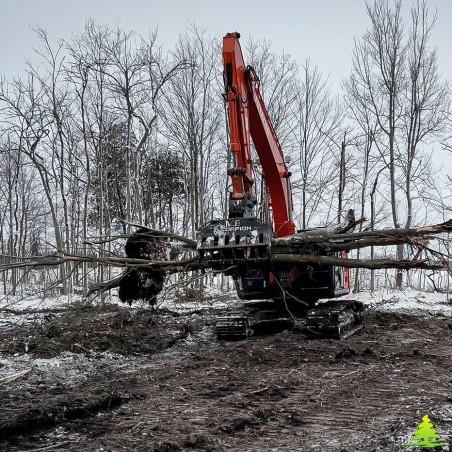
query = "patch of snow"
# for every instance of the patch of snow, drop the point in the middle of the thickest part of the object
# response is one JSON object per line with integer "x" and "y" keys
{"x": 18, "y": 310}
{"x": 37, "y": 302}
{"x": 405, "y": 301}
{"x": 66, "y": 368}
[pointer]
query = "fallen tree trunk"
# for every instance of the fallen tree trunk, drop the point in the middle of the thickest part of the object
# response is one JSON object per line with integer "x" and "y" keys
{"x": 323, "y": 241}
{"x": 172, "y": 266}
{"x": 320, "y": 234}
{"x": 193, "y": 264}
{"x": 373, "y": 264}
{"x": 314, "y": 247}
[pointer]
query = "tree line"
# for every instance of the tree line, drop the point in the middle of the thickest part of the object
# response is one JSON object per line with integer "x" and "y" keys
{"x": 109, "y": 126}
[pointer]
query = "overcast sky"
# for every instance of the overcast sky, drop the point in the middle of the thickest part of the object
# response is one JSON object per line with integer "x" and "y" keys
{"x": 322, "y": 30}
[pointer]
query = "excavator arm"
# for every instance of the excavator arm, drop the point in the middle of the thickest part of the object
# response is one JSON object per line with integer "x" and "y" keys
{"x": 248, "y": 116}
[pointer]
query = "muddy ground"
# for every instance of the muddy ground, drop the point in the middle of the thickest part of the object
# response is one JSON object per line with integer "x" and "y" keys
{"x": 111, "y": 378}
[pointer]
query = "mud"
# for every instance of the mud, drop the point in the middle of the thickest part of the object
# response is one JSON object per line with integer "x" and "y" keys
{"x": 113, "y": 378}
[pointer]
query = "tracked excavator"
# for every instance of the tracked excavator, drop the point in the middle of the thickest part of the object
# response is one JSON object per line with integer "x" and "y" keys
{"x": 240, "y": 245}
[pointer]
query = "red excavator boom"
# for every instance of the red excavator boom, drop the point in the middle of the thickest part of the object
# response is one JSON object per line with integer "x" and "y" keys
{"x": 248, "y": 116}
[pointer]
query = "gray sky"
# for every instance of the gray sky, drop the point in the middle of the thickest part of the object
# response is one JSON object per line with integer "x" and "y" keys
{"x": 322, "y": 30}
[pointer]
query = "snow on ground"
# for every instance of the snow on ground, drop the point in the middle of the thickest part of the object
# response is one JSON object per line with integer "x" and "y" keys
{"x": 37, "y": 302}
{"x": 406, "y": 301}
{"x": 192, "y": 305}
{"x": 67, "y": 368}
{"x": 18, "y": 310}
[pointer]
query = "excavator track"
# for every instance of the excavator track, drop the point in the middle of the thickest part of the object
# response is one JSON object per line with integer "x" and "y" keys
{"x": 233, "y": 326}
{"x": 237, "y": 325}
{"x": 335, "y": 319}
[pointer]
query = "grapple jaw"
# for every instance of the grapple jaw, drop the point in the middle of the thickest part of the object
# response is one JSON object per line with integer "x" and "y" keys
{"x": 223, "y": 243}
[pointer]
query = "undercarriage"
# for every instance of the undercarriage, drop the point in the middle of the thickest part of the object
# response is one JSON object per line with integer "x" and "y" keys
{"x": 334, "y": 319}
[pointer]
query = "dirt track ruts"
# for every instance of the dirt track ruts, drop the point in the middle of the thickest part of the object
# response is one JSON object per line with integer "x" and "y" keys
{"x": 184, "y": 390}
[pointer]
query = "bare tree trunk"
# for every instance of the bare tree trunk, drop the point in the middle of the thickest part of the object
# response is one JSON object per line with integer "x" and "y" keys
{"x": 318, "y": 124}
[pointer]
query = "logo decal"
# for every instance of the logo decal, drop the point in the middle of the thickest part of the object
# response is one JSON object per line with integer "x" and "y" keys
{"x": 220, "y": 230}
{"x": 426, "y": 437}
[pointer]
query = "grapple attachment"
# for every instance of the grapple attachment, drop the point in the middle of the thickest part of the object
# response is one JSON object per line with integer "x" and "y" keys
{"x": 222, "y": 243}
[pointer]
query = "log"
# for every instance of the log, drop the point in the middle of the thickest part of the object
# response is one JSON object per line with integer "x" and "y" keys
{"x": 360, "y": 263}
{"x": 317, "y": 236}
{"x": 307, "y": 247}
{"x": 166, "y": 234}
{"x": 315, "y": 247}
{"x": 334, "y": 246}
{"x": 52, "y": 261}
{"x": 15, "y": 376}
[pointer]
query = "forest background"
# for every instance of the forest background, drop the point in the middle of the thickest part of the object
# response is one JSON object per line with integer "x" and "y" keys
{"x": 108, "y": 126}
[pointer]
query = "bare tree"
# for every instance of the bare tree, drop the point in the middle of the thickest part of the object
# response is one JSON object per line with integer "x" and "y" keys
{"x": 32, "y": 127}
{"x": 427, "y": 100}
{"x": 75, "y": 121}
{"x": 191, "y": 112}
{"x": 278, "y": 85}
{"x": 377, "y": 79}
{"x": 396, "y": 82}
{"x": 21, "y": 212}
{"x": 318, "y": 121}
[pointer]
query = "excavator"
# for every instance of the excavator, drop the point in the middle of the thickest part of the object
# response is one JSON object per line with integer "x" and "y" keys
{"x": 240, "y": 245}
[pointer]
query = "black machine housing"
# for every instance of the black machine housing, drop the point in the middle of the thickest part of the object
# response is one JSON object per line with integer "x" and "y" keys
{"x": 241, "y": 247}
